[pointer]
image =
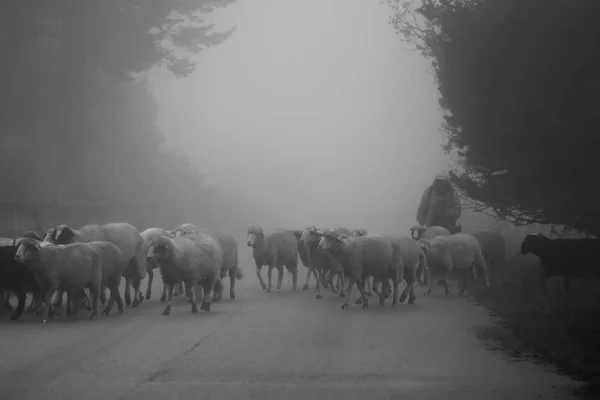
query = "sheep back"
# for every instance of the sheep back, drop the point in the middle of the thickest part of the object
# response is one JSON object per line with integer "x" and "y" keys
{"x": 112, "y": 260}
{"x": 280, "y": 248}
{"x": 459, "y": 251}
{"x": 199, "y": 256}
{"x": 365, "y": 255}
{"x": 122, "y": 234}
{"x": 493, "y": 245}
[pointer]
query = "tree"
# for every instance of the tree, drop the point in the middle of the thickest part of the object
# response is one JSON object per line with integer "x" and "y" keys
{"x": 67, "y": 71}
{"x": 518, "y": 81}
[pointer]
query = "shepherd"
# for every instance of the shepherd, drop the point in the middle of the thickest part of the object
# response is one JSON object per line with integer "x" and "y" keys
{"x": 440, "y": 205}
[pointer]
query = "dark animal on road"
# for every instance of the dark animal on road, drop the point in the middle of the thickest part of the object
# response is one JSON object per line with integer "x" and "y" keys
{"x": 303, "y": 253}
{"x": 567, "y": 258}
{"x": 17, "y": 278}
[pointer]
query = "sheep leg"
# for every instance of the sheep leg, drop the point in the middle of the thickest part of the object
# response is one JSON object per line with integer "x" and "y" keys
{"x": 360, "y": 283}
{"x": 369, "y": 285}
{"x": 321, "y": 287}
{"x": 149, "y": 286}
{"x": 429, "y": 277}
{"x": 95, "y": 294}
{"x": 207, "y": 287}
{"x": 260, "y": 278}
{"x": 232, "y": 283}
{"x": 138, "y": 298}
{"x": 445, "y": 280}
{"x": 47, "y": 297}
{"x": 269, "y": 277}
{"x": 31, "y": 308}
{"x": 195, "y": 295}
{"x": 308, "y": 272}
{"x": 218, "y": 289}
{"x": 331, "y": 277}
{"x": 114, "y": 293}
{"x": 293, "y": 269}
{"x": 342, "y": 283}
{"x": 58, "y": 302}
{"x": 128, "y": 291}
{"x": 103, "y": 293}
{"x": 167, "y": 309}
{"x": 22, "y": 296}
{"x": 163, "y": 296}
{"x": 279, "y": 278}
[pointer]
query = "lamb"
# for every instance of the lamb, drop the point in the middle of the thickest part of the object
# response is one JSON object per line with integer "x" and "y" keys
{"x": 322, "y": 262}
{"x": 124, "y": 235}
{"x": 362, "y": 256}
{"x": 71, "y": 267}
{"x": 459, "y": 251}
{"x": 194, "y": 258}
{"x": 113, "y": 264}
{"x": 303, "y": 253}
{"x": 275, "y": 250}
{"x": 568, "y": 258}
{"x": 229, "y": 249}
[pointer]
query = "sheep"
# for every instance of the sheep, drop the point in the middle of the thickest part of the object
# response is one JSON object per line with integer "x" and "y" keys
{"x": 229, "y": 249}
{"x": 275, "y": 250}
{"x": 419, "y": 232}
{"x": 568, "y": 258}
{"x": 122, "y": 234}
{"x": 72, "y": 267}
{"x": 362, "y": 256}
{"x": 322, "y": 262}
{"x": 113, "y": 264}
{"x": 16, "y": 278}
{"x": 459, "y": 251}
{"x": 148, "y": 236}
{"x": 194, "y": 258}
{"x": 304, "y": 257}
{"x": 493, "y": 247}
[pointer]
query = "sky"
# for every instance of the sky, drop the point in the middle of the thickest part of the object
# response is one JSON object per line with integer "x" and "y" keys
{"x": 315, "y": 107}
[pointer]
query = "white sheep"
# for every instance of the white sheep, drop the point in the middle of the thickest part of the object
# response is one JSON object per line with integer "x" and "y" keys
{"x": 124, "y": 235}
{"x": 420, "y": 232}
{"x": 362, "y": 256}
{"x": 113, "y": 264}
{"x": 460, "y": 251}
{"x": 194, "y": 258}
{"x": 275, "y": 249}
{"x": 71, "y": 267}
{"x": 229, "y": 250}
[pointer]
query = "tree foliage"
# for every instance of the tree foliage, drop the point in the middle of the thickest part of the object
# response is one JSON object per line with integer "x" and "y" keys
{"x": 520, "y": 86}
{"x": 76, "y": 125}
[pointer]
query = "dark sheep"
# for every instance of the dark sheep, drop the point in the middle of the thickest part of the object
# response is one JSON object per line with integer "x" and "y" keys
{"x": 567, "y": 258}
{"x": 303, "y": 253}
{"x": 17, "y": 278}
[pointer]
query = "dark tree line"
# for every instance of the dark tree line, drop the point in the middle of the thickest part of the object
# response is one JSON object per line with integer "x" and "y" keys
{"x": 520, "y": 86}
{"x": 76, "y": 125}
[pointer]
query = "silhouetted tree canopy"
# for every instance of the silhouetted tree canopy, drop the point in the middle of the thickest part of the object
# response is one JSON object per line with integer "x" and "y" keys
{"x": 520, "y": 86}
{"x": 76, "y": 126}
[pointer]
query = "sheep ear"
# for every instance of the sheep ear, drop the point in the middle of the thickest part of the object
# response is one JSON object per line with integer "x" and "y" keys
{"x": 425, "y": 245}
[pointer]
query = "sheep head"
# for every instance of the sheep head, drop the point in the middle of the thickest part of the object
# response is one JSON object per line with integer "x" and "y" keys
{"x": 418, "y": 229}
{"x": 329, "y": 240}
{"x": 532, "y": 242}
{"x": 160, "y": 249}
{"x": 359, "y": 232}
{"x": 311, "y": 234}
{"x": 255, "y": 235}
{"x": 64, "y": 235}
{"x": 50, "y": 235}
{"x": 28, "y": 250}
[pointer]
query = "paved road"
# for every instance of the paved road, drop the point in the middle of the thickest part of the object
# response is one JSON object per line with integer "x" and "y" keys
{"x": 280, "y": 345}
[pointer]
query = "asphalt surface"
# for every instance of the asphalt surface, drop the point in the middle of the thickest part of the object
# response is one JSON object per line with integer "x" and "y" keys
{"x": 279, "y": 345}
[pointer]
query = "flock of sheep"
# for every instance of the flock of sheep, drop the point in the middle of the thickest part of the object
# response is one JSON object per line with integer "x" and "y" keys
{"x": 84, "y": 263}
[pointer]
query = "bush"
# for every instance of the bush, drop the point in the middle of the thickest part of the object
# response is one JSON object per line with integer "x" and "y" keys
{"x": 564, "y": 328}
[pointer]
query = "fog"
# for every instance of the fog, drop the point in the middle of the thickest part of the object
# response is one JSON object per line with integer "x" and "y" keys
{"x": 316, "y": 109}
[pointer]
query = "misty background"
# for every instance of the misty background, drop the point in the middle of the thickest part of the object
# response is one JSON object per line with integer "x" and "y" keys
{"x": 313, "y": 109}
